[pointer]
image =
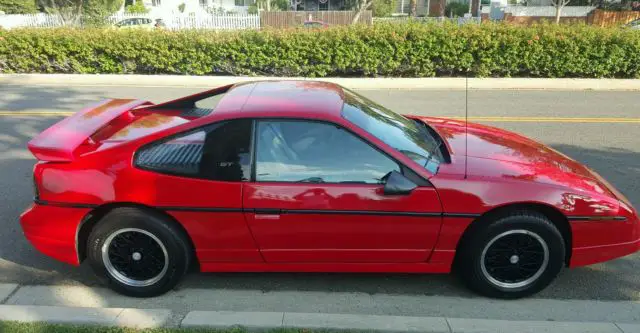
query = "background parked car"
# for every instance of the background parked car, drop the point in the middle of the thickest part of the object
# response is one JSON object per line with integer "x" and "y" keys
{"x": 635, "y": 24}
{"x": 137, "y": 22}
{"x": 315, "y": 25}
{"x": 160, "y": 24}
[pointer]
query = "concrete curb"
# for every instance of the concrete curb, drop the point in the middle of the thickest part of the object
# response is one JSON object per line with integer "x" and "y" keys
{"x": 264, "y": 321}
{"x": 137, "y": 318}
{"x": 353, "y": 83}
{"x": 261, "y": 321}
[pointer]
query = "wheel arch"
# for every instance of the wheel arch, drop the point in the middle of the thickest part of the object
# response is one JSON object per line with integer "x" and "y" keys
{"x": 554, "y": 215}
{"x": 95, "y": 215}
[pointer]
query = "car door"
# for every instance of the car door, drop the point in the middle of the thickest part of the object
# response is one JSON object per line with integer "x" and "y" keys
{"x": 197, "y": 178}
{"x": 317, "y": 195}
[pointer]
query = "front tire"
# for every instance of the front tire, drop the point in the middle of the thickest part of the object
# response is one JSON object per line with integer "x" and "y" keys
{"x": 515, "y": 256}
{"x": 140, "y": 253}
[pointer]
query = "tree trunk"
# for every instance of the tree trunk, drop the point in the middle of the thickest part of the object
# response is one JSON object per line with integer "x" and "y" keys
{"x": 268, "y": 5}
{"x": 356, "y": 17}
{"x": 558, "y": 13}
{"x": 362, "y": 6}
{"x": 413, "y": 4}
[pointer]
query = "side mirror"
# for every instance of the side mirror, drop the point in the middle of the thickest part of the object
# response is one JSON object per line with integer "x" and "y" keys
{"x": 397, "y": 184}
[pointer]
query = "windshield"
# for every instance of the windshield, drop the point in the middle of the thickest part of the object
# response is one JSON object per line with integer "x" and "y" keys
{"x": 409, "y": 137}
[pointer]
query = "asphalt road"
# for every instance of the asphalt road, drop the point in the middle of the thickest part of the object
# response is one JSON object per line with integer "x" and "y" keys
{"x": 611, "y": 148}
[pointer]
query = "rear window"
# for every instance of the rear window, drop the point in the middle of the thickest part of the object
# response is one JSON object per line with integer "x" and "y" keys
{"x": 199, "y": 105}
{"x": 212, "y": 101}
{"x": 217, "y": 152}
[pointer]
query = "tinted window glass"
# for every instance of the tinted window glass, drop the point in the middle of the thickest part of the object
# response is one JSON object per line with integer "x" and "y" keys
{"x": 218, "y": 152}
{"x": 212, "y": 101}
{"x": 300, "y": 151}
{"x": 405, "y": 135}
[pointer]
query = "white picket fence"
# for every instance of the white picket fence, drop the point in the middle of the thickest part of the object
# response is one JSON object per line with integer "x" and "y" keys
{"x": 30, "y": 20}
{"x": 175, "y": 22}
{"x": 403, "y": 19}
{"x": 568, "y": 11}
{"x": 219, "y": 22}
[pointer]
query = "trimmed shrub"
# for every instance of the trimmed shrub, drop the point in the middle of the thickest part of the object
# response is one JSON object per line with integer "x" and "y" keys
{"x": 383, "y": 8}
{"x": 18, "y": 6}
{"x": 404, "y": 50}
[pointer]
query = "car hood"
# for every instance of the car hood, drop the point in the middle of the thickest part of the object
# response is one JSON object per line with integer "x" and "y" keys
{"x": 495, "y": 152}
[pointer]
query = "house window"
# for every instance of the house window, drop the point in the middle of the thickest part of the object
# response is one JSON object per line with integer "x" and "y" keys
{"x": 244, "y": 3}
{"x": 323, "y": 4}
{"x": 203, "y": 3}
{"x": 156, "y": 3}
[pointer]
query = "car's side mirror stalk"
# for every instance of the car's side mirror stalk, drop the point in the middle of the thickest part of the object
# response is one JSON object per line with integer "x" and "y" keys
{"x": 397, "y": 184}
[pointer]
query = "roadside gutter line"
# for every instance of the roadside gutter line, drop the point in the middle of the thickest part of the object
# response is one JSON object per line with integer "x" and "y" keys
{"x": 183, "y": 81}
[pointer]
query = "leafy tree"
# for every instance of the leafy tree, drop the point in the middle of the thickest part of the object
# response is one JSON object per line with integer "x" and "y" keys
{"x": 18, "y": 6}
{"x": 382, "y": 8}
{"x": 72, "y": 11}
{"x": 181, "y": 7}
{"x": 96, "y": 12}
{"x": 137, "y": 8}
{"x": 269, "y": 5}
{"x": 280, "y": 4}
{"x": 456, "y": 9}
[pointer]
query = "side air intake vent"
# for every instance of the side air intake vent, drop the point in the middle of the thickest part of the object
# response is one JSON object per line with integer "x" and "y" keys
{"x": 196, "y": 112}
{"x": 177, "y": 158}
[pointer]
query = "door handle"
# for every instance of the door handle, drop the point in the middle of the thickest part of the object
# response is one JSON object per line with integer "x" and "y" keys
{"x": 267, "y": 214}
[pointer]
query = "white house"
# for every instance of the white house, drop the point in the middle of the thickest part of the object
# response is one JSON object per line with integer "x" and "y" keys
{"x": 168, "y": 8}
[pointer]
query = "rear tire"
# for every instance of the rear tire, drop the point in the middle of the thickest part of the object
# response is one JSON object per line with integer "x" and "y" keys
{"x": 517, "y": 255}
{"x": 140, "y": 253}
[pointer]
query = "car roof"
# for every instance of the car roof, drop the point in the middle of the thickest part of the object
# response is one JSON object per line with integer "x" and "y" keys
{"x": 286, "y": 98}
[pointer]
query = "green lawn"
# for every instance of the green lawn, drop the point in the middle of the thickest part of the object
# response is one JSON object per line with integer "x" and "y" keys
{"x": 15, "y": 327}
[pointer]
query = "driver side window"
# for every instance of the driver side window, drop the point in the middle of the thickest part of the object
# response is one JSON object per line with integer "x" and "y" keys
{"x": 310, "y": 151}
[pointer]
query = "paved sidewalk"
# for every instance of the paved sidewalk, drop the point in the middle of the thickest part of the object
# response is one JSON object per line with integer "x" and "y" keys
{"x": 357, "y": 303}
{"x": 260, "y": 321}
{"x": 353, "y": 83}
{"x": 185, "y": 308}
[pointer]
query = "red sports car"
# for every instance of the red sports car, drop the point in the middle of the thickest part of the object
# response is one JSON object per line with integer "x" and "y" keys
{"x": 303, "y": 176}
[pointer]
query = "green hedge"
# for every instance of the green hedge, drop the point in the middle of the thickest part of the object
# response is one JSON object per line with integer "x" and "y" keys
{"x": 18, "y": 6}
{"x": 413, "y": 49}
